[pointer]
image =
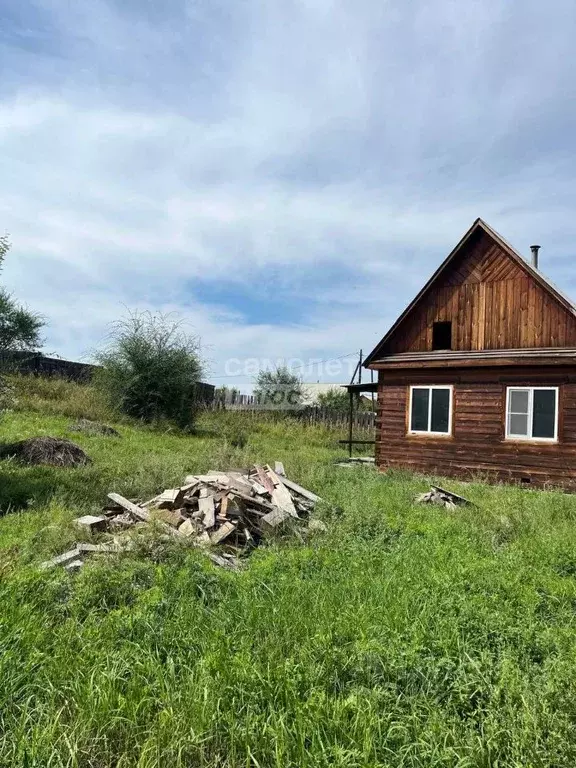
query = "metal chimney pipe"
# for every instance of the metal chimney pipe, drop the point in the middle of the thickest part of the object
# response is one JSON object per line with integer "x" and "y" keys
{"x": 535, "y": 249}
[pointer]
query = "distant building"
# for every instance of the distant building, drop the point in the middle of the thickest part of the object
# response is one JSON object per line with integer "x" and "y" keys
{"x": 310, "y": 392}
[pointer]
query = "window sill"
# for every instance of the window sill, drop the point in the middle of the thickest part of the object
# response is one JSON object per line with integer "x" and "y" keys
{"x": 530, "y": 440}
{"x": 428, "y": 435}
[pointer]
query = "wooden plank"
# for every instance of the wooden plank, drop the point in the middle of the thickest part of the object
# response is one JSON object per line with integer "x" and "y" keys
{"x": 523, "y": 341}
{"x": 187, "y": 529}
{"x": 263, "y": 478}
{"x": 137, "y": 511}
{"x": 91, "y": 523}
{"x": 538, "y": 318}
{"x": 223, "y": 562}
{"x": 65, "y": 557}
{"x": 303, "y": 491}
{"x": 276, "y": 517}
{"x": 453, "y": 496}
{"x": 258, "y": 488}
{"x": 256, "y": 501}
{"x": 222, "y": 533}
{"x": 481, "y": 316}
{"x": 98, "y": 548}
{"x": 213, "y": 477}
{"x": 546, "y": 320}
{"x": 281, "y": 498}
{"x": 171, "y": 517}
{"x": 237, "y": 481}
{"x": 206, "y": 506}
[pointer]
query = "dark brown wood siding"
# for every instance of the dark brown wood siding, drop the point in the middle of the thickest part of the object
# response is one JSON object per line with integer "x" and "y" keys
{"x": 478, "y": 445}
{"x": 492, "y": 304}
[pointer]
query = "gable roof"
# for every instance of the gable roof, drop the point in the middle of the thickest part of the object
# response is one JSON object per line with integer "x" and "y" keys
{"x": 478, "y": 225}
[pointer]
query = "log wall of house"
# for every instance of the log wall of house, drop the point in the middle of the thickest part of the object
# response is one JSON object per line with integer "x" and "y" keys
{"x": 492, "y": 304}
{"x": 478, "y": 445}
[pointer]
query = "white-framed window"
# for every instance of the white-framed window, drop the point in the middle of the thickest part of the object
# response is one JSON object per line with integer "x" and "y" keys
{"x": 431, "y": 410}
{"x": 532, "y": 413}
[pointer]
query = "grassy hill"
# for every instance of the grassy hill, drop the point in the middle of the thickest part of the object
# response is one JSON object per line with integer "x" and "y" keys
{"x": 406, "y": 636}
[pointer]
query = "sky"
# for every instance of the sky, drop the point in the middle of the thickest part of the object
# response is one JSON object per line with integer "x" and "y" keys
{"x": 284, "y": 175}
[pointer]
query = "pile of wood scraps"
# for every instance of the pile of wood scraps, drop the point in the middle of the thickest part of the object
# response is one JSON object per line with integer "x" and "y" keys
{"x": 366, "y": 461}
{"x": 437, "y": 495}
{"x": 231, "y": 511}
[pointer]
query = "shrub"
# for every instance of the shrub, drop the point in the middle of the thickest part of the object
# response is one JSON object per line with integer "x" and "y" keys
{"x": 19, "y": 327}
{"x": 338, "y": 399}
{"x": 279, "y": 388}
{"x": 150, "y": 368}
{"x": 19, "y": 332}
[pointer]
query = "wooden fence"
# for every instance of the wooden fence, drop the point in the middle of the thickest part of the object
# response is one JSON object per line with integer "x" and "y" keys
{"x": 363, "y": 420}
{"x": 36, "y": 364}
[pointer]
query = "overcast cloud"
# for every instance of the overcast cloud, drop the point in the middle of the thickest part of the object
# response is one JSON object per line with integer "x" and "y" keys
{"x": 284, "y": 174}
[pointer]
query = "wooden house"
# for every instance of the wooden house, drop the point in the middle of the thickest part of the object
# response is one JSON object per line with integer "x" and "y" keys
{"x": 478, "y": 374}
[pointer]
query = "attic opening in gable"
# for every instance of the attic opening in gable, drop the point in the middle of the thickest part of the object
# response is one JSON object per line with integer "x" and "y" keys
{"x": 442, "y": 336}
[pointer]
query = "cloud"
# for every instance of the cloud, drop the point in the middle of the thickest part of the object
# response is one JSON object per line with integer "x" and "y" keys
{"x": 285, "y": 175}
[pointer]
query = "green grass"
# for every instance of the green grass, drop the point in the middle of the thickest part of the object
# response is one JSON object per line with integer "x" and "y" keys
{"x": 406, "y": 636}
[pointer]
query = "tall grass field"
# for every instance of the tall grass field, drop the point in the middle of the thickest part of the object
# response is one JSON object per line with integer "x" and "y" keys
{"x": 407, "y": 635}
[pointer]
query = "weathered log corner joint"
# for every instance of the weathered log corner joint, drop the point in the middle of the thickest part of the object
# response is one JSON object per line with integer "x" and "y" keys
{"x": 478, "y": 374}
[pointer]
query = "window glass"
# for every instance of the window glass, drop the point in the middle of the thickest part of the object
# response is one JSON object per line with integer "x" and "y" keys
{"x": 419, "y": 416}
{"x": 519, "y": 400}
{"x": 518, "y": 424}
{"x": 440, "y": 417}
{"x": 544, "y": 418}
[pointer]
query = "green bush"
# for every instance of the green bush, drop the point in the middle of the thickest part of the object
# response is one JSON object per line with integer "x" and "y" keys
{"x": 278, "y": 388}
{"x": 150, "y": 369}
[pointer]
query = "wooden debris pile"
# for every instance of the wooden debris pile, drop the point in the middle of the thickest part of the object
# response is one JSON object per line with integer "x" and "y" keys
{"x": 366, "y": 461}
{"x": 230, "y": 510}
{"x": 437, "y": 495}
